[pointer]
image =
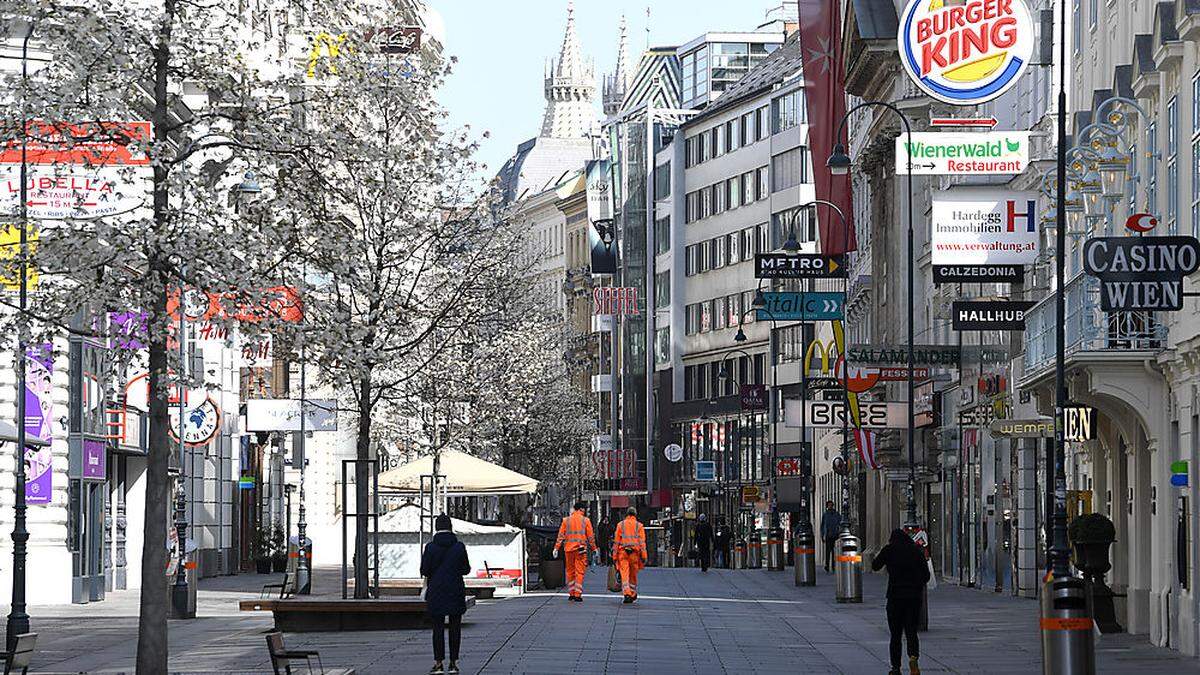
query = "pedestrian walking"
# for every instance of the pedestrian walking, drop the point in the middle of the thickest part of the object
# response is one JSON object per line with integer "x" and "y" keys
{"x": 629, "y": 550}
{"x": 604, "y": 539}
{"x": 443, "y": 564}
{"x": 703, "y": 536}
{"x": 907, "y": 576}
{"x": 721, "y": 544}
{"x": 576, "y": 539}
{"x": 831, "y": 527}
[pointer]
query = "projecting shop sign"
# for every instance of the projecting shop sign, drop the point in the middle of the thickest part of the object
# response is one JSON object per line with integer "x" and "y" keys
{"x": 875, "y": 415}
{"x": 945, "y": 153}
{"x": 798, "y": 266}
{"x": 792, "y": 306}
{"x": 990, "y": 315}
{"x": 973, "y": 226}
{"x": 978, "y": 274}
{"x": 1141, "y": 273}
{"x": 924, "y": 355}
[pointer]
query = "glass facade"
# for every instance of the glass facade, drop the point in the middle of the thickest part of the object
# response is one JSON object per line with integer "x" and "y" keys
{"x": 713, "y": 67}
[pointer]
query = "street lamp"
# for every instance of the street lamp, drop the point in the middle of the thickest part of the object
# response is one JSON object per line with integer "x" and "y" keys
{"x": 839, "y": 165}
{"x": 724, "y": 375}
{"x": 772, "y": 411}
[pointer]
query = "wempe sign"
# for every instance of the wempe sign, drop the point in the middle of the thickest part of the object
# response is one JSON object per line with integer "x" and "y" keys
{"x": 1141, "y": 273}
{"x": 973, "y": 226}
{"x": 965, "y": 53}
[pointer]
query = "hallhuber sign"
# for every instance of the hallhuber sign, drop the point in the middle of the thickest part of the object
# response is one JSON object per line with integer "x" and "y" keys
{"x": 1141, "y": 273}
{"x": 990, "y": 314}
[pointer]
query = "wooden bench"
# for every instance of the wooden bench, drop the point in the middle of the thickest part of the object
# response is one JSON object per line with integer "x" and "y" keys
{"x": 302, "y": 615}
{"x": 21, "y": 654}
{"x": 483, "y": 589}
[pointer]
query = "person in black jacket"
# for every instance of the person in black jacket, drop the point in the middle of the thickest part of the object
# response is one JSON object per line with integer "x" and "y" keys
{"x": 721, "y": 541}
{"x": 703, "y": 537}
{"x": 907, "y": 575}
{"x": 443, "y": 564}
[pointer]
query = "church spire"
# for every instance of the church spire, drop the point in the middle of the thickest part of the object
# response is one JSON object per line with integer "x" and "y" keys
{"x": 570, "y": 90}
{"x": 617, "y": 84}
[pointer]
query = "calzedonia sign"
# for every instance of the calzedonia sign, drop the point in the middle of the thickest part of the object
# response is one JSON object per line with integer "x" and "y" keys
{"x": 978, "y": 274}
{"x": 965, "y": 53}
{"x": 1141, "y": 273}
{"x": 990, "y": 315}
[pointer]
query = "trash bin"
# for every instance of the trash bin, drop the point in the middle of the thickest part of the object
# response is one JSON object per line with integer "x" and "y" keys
{"x": 1067, "y": 633}
{"x": 806, "y": 559}
{"x": 754, "y": 550}
{"x": 739, "y": 555}
{"x": 848, "y": 569}
{"x": 775, "y": 553}
{"x": 302, "y": 574}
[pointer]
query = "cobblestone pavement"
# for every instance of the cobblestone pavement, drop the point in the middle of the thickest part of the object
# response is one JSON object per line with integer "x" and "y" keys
{"x": 686, "y": 621}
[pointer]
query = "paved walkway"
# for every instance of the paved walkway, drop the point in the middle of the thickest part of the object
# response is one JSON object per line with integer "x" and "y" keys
{"x": 686, "y": 622}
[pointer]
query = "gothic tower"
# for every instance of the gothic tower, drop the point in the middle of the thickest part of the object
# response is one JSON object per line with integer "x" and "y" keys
{"x": 616, "y": 84}
{"x": 570, "y": 89}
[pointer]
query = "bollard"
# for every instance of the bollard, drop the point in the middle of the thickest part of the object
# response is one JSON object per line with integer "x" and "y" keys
{"x": 739, "y": 555}
{"x": 1067, "y": 637}
{"x": 849, "y": 569}
{"x": 775, "y": 552}
{"x": 806, "y": 559}
{"x": 754, "y": 551}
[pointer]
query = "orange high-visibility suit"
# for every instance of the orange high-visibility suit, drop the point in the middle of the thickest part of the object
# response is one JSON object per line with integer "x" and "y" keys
{"x": 629, "y": 552}
{"x": 576, "y": 538}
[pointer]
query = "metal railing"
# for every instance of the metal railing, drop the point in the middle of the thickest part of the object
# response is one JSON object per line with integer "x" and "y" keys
{"x": 1088, "y": 329}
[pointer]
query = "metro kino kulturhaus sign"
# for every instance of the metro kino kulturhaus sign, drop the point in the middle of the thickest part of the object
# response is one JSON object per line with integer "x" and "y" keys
{"x": 1141, "y": 273}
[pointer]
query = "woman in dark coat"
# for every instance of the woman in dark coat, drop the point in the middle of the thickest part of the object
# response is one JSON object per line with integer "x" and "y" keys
{"x": 443, "y": 564}
{"x": 907, "y": 575}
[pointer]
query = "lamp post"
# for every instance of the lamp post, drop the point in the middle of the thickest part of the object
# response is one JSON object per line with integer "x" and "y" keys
{"x": 18, "y": 618}
{"x": 839, "y": 165}
{"x": 724, "y": 375}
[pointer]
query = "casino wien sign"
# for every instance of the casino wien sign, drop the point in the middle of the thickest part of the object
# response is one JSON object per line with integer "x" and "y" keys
{"x": 1141, "y": 273}
{"x": 965, "y": 53}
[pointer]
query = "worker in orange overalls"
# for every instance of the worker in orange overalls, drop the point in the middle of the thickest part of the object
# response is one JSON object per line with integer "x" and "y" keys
{"x": 577, "y": 538}
{"x": 629, "y": 552}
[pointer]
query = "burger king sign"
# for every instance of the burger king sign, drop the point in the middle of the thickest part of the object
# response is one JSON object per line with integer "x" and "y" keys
{"x": 965, "y": 52}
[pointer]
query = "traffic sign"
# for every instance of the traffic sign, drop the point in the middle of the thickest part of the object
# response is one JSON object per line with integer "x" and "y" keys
{"x": 706, "y": 471}
{"x": 246, "y": 483}
{"x": 809, "y": 306}
{"x": 972, "y": 122}
{"x": 949, "y": 153}
{"x": 798, "y": 266}
{"x": 1141, "y": 273}
{"x": 1179, "y": 473}
{"x": 673, "y": 452}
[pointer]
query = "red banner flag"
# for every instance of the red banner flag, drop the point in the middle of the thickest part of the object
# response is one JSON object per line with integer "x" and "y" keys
{"x": 820, "y": 42}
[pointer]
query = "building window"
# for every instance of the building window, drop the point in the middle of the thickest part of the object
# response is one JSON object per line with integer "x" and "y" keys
{"x": 706, "y": 205}
{"x": 1196, "y": 103}
{"x": 748, "y": 187}
{"x": 731, "y": 244}
{"x": 720, "y": 314}
{"x": 693, "y": 207}
{"x": 734, "y": 189}
{"x": 789, "y": 111}
{"x": 701, "y": 88}
{"x": 1093, "y": 13}
{"x": 706, "y": 316}
{"x": 748, "y": 243}
{"x": 760, "y": 121}
{"x": 688, "y": 66}
{"x": 692, "y": 262}
{"x": 747, "y": 129}
{"x": 1077, "y": 24}
{"x": 662, "y": 345}
{"x": 662, "y": 289}
{"x": 731, "y": 131}
{"x": 1196, "y": 187}
{"x": 718, "y": 141}
{"x": 764, "y": 186}
{"x": 730, "y": 61}
{"x": 689, "y": 323}
{"x": 801, "y": 222}
{"x": 1152, "y": 167}
{"x": 719, "y": 195}
{"x": 718, "y": 248}
{"x": 789, "y": 169}
{"x": 662, "y": 235}
{"x": 705, "y": 149}
{"x": 747, "y": 299}
{"x": 734, "y": 303}
{"x": 764, "y": 238}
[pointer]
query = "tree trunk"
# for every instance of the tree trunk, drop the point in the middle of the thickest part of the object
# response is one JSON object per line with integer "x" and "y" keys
{"x": 152, "y": 611}
{"x": 362, "y": 486}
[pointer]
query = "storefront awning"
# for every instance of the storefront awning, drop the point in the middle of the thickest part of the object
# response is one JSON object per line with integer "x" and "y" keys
{"x": 464, "y": 475}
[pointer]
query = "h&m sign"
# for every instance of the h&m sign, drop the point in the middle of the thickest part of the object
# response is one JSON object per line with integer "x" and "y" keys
{"x": 617, "y": 300}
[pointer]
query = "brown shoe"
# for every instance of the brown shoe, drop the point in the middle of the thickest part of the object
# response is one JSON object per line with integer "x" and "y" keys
{"x": 913, "y": 668}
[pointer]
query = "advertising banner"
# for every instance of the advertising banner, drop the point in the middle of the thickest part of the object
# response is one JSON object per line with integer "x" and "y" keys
{"x": 984, "y": 226}
{"x": 95, "y": 457}
{"x": 283, "y": 414}
{"x": 601, "y": 231}
{"x": 948, "y": 153}
{"x": 39, "y": 415}
{"x": 10, "y": 257}
{"x": 78, "y": 192}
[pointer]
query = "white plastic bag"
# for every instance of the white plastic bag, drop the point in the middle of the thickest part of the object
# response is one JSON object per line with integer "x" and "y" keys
{"x": 932, "y": 577}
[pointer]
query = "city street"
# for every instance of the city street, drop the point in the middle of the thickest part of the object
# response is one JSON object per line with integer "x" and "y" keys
{"x": 685, "y": 622}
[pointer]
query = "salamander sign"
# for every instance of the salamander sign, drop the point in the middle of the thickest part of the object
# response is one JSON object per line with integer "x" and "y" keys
{"x": 1141, "y": 273}
{"x": 965, "y": 53}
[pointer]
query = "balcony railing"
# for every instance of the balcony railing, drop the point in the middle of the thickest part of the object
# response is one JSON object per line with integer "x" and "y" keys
{"x": 1088, "y": 329}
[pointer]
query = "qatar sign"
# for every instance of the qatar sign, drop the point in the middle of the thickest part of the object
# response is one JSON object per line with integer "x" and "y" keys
{"x": 972, "y": 226}
{"x": 965, "y": 53}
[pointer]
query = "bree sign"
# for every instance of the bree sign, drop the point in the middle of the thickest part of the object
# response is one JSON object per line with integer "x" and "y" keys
{"x": 1141, "y": 273}
{"x": 798, "y": 266}
{"x": 875, "y": 415}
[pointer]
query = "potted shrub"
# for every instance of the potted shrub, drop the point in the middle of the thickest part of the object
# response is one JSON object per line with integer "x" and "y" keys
{"x": 278, "y": 549}
{"x": 261, "y": 552}
{"x": 1091, "y": 536}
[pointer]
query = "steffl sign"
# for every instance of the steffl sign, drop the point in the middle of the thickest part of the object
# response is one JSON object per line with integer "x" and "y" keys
{"x": 1141, "y": 273}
